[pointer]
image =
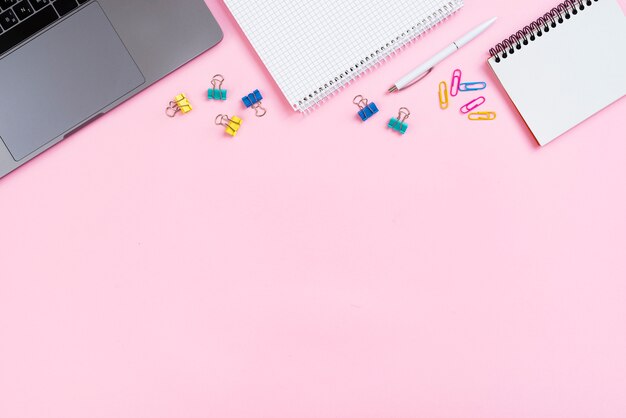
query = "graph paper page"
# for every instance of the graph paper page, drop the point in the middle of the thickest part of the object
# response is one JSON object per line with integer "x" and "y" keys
{"x": 313, "y": 48}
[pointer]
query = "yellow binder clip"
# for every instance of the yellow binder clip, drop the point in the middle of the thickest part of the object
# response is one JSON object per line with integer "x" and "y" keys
{"x": 482, "y": 116}
{"x": 179, "y": 104}
{"x": 232, "y": 124}
{"x": 443, "y": 95}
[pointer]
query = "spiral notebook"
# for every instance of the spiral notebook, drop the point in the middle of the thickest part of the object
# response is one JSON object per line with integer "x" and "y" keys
{"x": 565, "y": 66}
{"x": 314, "y": 48}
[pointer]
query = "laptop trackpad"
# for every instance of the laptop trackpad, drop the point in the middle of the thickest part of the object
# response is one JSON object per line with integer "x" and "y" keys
{"x": 60, "y": 79}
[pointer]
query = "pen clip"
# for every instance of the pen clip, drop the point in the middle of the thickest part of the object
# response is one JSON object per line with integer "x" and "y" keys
{"x": 420, "y": 78}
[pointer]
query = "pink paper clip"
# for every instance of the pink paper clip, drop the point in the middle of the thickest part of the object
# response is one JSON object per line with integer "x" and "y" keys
{"x": 472, "y": 105}
{"x": 456, "y": 82}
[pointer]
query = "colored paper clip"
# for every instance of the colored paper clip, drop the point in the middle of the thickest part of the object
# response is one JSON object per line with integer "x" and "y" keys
{"x": 232, "y": 124}
{"x": 366, "y": 109}
{"x": 472, "y": 86}
{"x": 443, "y": 95}
{"x": 253, "y": 100}
{"x": 217, "y": 93}
{"x": 456, "y": 82}
{"x": 468, "y": 107}
{"x": 482, "y": 116}
{"x": 398, "y": 124}
{"x": 179, "y": 104}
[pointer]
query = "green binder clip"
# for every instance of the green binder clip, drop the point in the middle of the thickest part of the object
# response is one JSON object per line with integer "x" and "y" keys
{"x": 217, "y": 93}
{"x": 398, "y": 124}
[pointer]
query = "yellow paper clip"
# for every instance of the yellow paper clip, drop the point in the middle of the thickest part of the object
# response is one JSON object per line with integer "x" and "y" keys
{"x": 443, "y": 95}
{"x": 179, "y": 104}
{"x": 232, "y": 124}
{"x": 482, "y": 116}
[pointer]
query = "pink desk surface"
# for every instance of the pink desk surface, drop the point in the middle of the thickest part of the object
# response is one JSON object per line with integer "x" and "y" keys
{"x": 318, "y": 266}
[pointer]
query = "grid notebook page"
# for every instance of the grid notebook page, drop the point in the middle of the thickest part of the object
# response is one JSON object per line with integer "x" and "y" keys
{"x": 313, "y": 48}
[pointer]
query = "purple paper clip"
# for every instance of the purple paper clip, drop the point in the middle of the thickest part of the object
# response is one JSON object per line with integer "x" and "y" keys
{"x": 456, "y": 82}
{"x": 468, "y": 107}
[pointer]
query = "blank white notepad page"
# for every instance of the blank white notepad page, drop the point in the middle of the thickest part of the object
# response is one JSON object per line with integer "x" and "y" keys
{"x": 312, "y": 48}
{"x": 570, "y": 72}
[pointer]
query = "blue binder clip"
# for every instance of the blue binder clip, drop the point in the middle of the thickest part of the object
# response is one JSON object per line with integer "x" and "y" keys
{"x": 217, "y": 93}
{"x": 366, "y": 109}
{"x": 253, "y": 100}
{"x": 398, "y": 124}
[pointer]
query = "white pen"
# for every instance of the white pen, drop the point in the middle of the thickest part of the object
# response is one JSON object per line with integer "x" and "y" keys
{"x": 424, "y": 69}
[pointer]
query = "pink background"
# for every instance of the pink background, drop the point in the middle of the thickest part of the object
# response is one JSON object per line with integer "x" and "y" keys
{"x": 318, "y": 266}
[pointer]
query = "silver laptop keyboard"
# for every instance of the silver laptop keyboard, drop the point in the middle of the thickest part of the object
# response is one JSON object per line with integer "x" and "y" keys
{"x": 21, "y": 19}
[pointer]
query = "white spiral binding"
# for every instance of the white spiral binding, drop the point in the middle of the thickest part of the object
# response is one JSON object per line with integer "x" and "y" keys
{"x": 376, "y": 58}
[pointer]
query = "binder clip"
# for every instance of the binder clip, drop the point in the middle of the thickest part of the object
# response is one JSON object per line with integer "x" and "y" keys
{"x": 232, "y": 124}
{"x": 456, "y": 83}
{"x": 468, "y": 107}
{"x": 473, "y": 86}
{"x": 217, "y": 93}
{"x": 443, "y": 95}
{"x": 366, "y": 109}
{"x": 398, "y": 124}
{"x": 482, "y": 116}
{"x": 179, "y": 104}
{"x": 253, "y": 100}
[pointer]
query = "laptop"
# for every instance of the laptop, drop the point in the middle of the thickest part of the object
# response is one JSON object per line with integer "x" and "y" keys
{"x": 64, "y": 63}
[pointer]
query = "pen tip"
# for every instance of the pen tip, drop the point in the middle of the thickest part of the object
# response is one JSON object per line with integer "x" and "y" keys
{"x": 392, "y": 89}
